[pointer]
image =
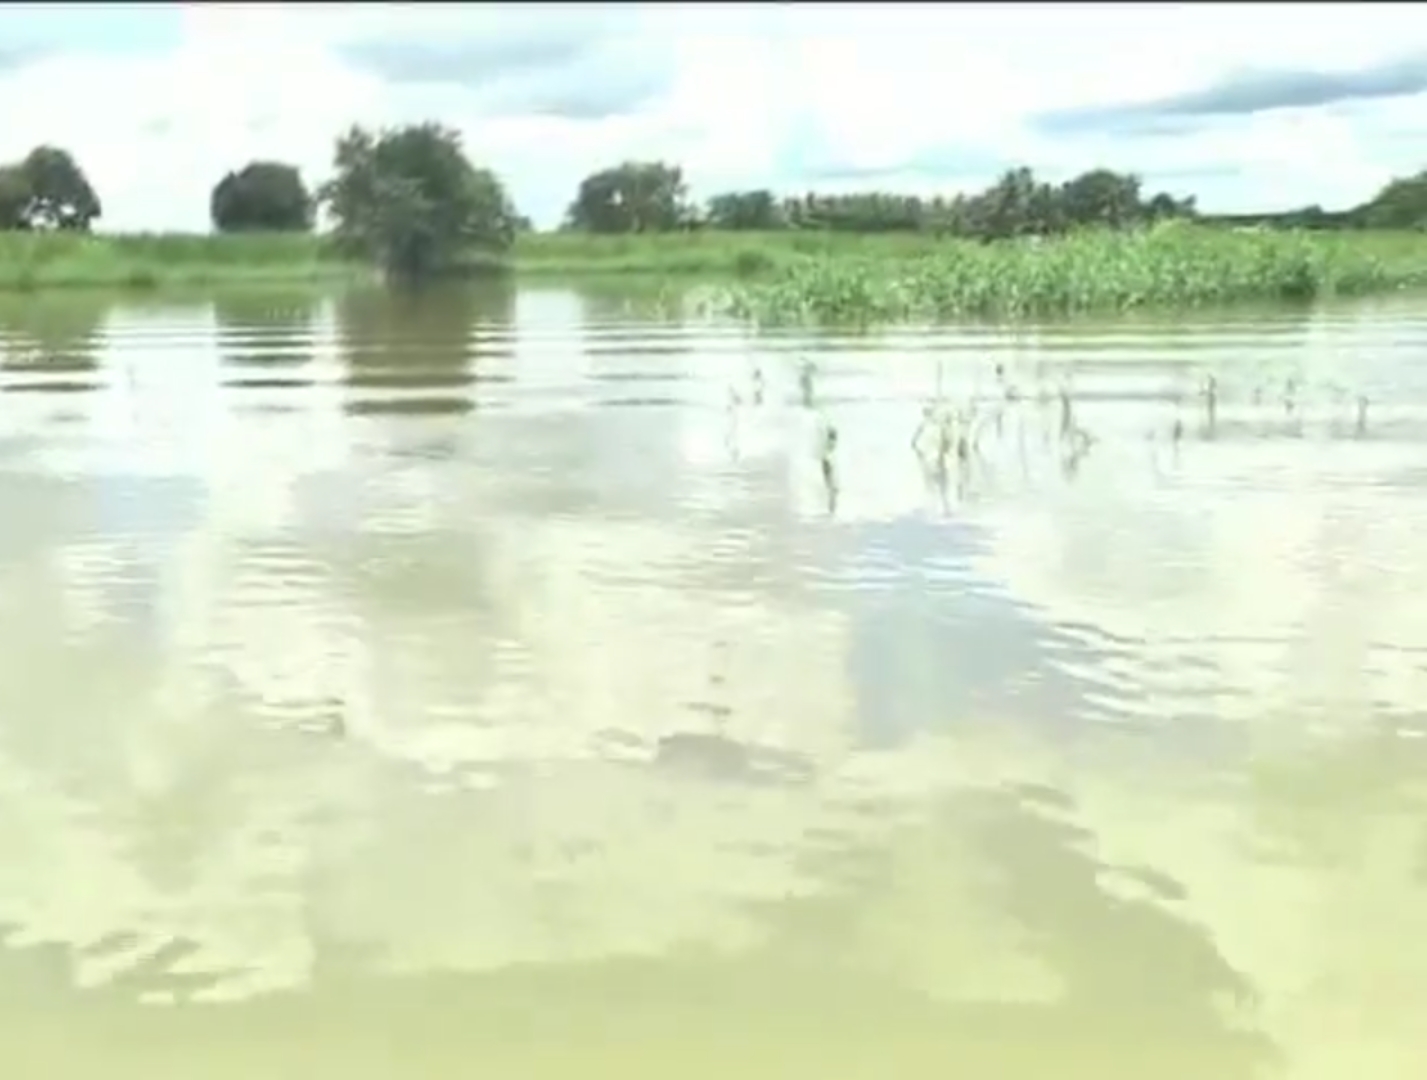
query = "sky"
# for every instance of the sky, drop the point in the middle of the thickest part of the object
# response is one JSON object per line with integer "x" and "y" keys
{"x": 1247, "y": 106}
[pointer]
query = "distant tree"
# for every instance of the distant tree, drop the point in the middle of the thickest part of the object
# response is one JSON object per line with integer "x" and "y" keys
{"x": 1015, "y": 205}
{"x": 1163, "y": 206}
{"x": 47, "y": 190}
{"x": 1401, "y": 204}
{"x": 871, "y": 212}
{"x": 744, "y": 210}
{"x": 263, "y": 196}
{"x": 410, "y": 200}
{"x": 1101, "y": 197}
{"x": 648, "y": 196}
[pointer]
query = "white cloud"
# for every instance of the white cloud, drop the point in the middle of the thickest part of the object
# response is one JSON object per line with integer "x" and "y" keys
{"x": 923, "y": 97}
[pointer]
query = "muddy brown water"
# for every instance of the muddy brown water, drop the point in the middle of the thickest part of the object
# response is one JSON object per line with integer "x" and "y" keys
{"x": 513, "y": 682}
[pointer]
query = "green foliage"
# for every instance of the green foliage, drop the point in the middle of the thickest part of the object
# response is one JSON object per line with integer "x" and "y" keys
{"x": 410, "y": 202}
{"x": 1104, "y": 199}
{"x": 745, "y": 211}
{"x": 1170, "y": 265}
{"x": 408, "y": 199}
{"x": 634, "y": 197}
{"x": 262, "y": 196}
{"x": 824, "y": 276}
{"x": 651, "y": 197}
{"x": 1402, "y": 204}
{"x": 1017, "y": 204}
{"x": 47, "y": 190}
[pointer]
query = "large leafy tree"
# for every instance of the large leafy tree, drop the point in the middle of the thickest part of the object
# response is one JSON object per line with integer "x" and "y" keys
{"x": 261, "y": 196}
{"x": 47, "y": 190}
{"x": 1101, "y": 197}
{"x": 409, "y": 199}
{"x": 637, "y": 196}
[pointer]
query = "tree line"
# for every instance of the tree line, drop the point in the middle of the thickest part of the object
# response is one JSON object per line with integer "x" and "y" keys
{"x": 410, "y": 199}
{"x": 652, "y": 197}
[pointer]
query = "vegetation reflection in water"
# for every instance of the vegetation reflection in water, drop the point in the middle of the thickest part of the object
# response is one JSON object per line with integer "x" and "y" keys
{"x": 482, "y": 680}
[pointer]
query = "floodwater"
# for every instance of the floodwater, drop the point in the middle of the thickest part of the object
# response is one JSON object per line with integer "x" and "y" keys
{"x": 523, "y": 683}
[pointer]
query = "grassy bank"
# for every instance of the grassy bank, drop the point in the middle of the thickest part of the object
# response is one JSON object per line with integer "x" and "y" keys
{"x": 51, "y": 260}
{"x": 1174, "y": 266}
{"x": 31, "y": 261}
{"x": 815, "y": 277}
{"x": 709, "y": 253}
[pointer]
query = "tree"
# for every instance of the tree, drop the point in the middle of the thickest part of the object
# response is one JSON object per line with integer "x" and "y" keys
{"x": 859, "y": 212}
{"x": 1164, "y": 206}
{"x": 47, "y": 190}
{"x": 1101, "y": 197}
{"x": 1401, "y": 204}
{"x": 636, "y": 196}
{"x": 1016, "y": 205}
{"x": 744, "y": 210}
{"x": 410, "y": 200}
{"x": 261, "y": 196}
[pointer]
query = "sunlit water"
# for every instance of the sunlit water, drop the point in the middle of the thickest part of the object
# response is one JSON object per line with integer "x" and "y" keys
{"x": 510, "y": 684}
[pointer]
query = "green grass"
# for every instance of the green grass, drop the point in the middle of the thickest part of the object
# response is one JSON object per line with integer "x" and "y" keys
{"x": 1173, "y": 266}
{"x": 808, "y": 277}
{"x": 30, "y": 261}
{"x": 709, "y": 254}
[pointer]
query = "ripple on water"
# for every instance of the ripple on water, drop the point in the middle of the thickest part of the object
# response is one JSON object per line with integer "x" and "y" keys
{"x": 546, "y": 645}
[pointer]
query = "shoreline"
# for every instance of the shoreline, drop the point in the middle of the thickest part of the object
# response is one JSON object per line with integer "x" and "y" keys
{"x": 34, "y": 262}
{"x": 792, "y": 276}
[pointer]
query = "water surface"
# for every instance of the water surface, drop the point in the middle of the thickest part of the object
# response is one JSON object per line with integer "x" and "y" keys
{"x": 509, "y": 681}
